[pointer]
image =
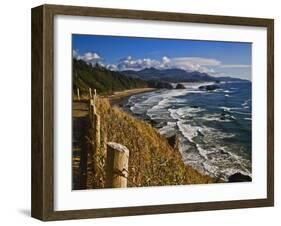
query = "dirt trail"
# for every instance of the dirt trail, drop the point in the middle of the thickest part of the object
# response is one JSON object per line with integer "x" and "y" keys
{"x": 80, "y": 128}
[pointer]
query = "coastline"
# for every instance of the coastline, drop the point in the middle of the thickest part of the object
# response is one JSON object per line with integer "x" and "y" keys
{"x": 167, "y": 167}
{"x": 239, "y": 174}
{"x": 119, "y": 98}
{"x": 124, "y": 128}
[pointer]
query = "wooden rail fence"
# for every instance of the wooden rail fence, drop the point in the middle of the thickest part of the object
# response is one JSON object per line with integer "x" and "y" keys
{"x": 116, "y": 155}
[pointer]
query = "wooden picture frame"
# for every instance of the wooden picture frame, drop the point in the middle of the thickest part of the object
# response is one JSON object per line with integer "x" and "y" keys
{"x": 43, "y": 112}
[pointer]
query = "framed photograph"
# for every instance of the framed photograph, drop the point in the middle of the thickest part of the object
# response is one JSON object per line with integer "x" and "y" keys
{"x": 141, "y": 112}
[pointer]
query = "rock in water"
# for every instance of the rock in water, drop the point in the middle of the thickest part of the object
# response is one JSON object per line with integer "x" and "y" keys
{"x": 159, "y": 84}
{"x": 209, "y": 87}
{"x": 180, "y": 86}
{"x": 239, "y": 177}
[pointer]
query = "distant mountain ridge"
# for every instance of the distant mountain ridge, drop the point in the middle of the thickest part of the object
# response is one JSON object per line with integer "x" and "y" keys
{"x": 175, "y": 75}
{"x": 106, "y": 81}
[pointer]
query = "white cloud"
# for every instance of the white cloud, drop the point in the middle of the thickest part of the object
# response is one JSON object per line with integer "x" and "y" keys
{"x": 89, "y": 57}
{"x": 185, "y": 63}
{"x": 75, "y": 53}
{"x": 112, "y": 67}
{"x": 205, "y": 65}
{"x": 129, "y": 63}
{"x": 165, "y": 60}
{"x": 235, "y": 66}
{"x": 194, "y": 63}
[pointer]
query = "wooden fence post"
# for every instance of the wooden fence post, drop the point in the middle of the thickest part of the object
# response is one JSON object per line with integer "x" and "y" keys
{"x": 96, "y": 124}
{"x": 95, "y": 137}
{"x": 95, "y": 96}
{"x": 90, "y": 92}
{"x": 104, "y": 144}
{"x": 96, "y": 153}
{"x": 78, "y": 94}
{"x": 117, "y": 161}
{"x": 92, "y": 110}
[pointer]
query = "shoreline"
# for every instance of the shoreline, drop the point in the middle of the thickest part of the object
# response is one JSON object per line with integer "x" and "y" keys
{"x": 237, "y": 176}
{"x": 120, "y": 97}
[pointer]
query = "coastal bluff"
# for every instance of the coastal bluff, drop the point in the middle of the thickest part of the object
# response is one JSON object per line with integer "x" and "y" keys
{"x": 154, "y": 161}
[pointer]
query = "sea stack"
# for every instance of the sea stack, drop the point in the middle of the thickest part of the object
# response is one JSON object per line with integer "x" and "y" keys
{"x": 180, "y": 86}
{"x": 209, "y": 87}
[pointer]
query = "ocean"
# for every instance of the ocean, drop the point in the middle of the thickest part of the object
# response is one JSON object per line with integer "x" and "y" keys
{"x": 214, "y": 127}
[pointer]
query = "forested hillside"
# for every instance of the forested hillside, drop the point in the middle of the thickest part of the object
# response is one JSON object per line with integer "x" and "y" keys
{"x": 101, "y": 79}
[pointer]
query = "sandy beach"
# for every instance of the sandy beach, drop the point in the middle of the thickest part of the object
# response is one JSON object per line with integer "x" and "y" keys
{"x": 120, "y": 97}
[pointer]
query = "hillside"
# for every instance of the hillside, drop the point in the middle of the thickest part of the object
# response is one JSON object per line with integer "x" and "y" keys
{"x": 101, "y": 79}
{"x": 175, "y": 75}
{"x": 107, "y": 82}
{"x": 152, "y": 162}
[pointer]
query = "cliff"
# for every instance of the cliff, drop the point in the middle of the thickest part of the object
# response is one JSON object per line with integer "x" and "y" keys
{"x": 153, "y": 161}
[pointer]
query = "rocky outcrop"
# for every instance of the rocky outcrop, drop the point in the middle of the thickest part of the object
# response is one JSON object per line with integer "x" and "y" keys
{"x": 209, "y": 87}
{"x": 174, "y": 141}
{"x": 159, "y": 84}
{"x": 239, "y": 177}
{"x": 180, "y": 86}
{"x": 226, "y": 116}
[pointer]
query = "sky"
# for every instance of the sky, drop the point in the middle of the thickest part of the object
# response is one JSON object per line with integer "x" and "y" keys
{"x": 216, "y": 58}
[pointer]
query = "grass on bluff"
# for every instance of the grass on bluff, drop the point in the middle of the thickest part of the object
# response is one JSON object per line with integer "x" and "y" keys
{"x": 152, "y": 161}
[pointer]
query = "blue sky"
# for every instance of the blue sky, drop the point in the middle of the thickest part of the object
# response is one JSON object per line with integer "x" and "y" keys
{"x": 130, "y": 53}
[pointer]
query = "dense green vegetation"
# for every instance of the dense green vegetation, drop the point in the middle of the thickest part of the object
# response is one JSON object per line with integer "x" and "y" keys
{"x": 101, "y": 79}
